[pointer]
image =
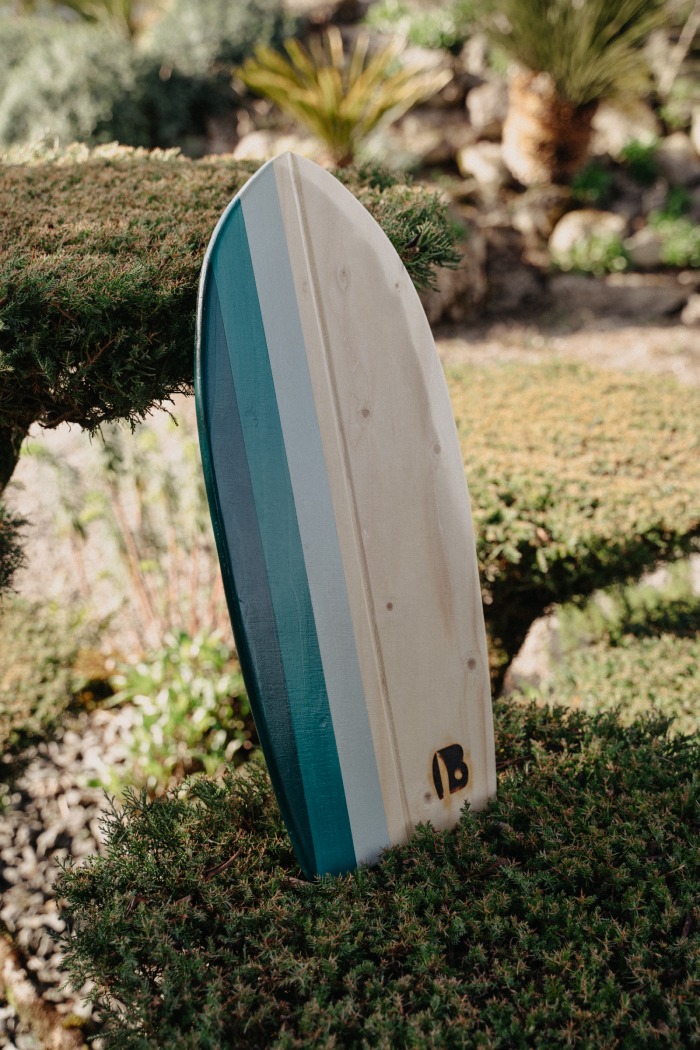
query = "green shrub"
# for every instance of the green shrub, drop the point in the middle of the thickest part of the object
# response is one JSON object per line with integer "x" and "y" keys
{"x": 40, "y": 673}
{"x": 680, "y": 240}
{"x": 211, "y": 36}
{"x": 432, "y": 25}
{"x": 597, "y": 254}
{"x": 577, "y": 478}
{"x": 10, "y": 550}
{"x": 70, "y": 86}
{"x": 567, "y": 914}
{"x": 631, "y": 650}
{"x": 592, "y": 185}
{"x": 192, "y": 712}
{"x": 99, "y": 267}
{"x": 678, "y": 203}
{"x": 639, "y": 158}
{"x": 92, "y": 83}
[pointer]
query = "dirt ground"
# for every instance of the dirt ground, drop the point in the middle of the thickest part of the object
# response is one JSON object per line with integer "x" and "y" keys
{"x": 668, "y": 348}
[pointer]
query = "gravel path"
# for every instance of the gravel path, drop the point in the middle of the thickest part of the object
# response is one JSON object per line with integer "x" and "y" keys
{"x": 52, "y": 814}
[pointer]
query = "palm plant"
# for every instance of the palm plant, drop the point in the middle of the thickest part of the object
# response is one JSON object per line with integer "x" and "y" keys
{"x": 339, "y": 97}
{"x": 575, "y": 53}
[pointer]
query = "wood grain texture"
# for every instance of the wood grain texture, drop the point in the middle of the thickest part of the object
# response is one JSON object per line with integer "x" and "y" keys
{"x": 356, "y": 604}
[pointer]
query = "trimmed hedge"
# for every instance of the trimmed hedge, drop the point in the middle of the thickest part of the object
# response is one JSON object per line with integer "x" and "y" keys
{"x": 632, "y": 651}
{"x": 578, "y": 479}
{"x": 99, "y": 267}
{"x": 566, "y": 915}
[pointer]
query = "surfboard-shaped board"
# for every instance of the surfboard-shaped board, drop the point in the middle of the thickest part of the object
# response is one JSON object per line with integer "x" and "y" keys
{"x": 342, "y": 520}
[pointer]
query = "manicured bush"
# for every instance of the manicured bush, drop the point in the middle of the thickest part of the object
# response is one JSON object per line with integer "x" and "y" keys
{"x": 565, "y": 915}
{"x": 632, "y": 650}
{"x": 10, "y": 550}
{"x": 40, "y": 676}
{"x": 99, "y": 267}
{"x": 578, "y": 479}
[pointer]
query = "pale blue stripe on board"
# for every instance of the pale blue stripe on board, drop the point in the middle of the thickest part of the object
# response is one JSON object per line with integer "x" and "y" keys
{"x": 319, "y": 536}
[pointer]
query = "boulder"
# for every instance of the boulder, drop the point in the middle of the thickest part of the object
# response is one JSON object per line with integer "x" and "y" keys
{"x": 691, "y": 311}
{"x": 487, "y": 106}
{"x": 645, "y": 249}
{"x": 617, "y": 123}
{"x": 429, "y": 136}
{"x": 678, "y": 160}
{"x": 635, "y": 295}
{"x": 695, "y": 130}
{"x": 266, "y": 144}
{"x": 581, "y": 225}
{"x": 533, "y": 666}
{"x": 536, "y": 212}
{"x": 484, "y": 161}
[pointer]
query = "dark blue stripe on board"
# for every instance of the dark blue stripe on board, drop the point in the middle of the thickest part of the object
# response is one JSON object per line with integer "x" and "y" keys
{"x": 245, "y": 577}
{"x": 262, "y": 437}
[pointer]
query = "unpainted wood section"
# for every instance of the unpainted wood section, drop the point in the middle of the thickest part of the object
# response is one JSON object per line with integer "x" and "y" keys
{"x": 335, "y": 452}
{"x": 401, "y": 500}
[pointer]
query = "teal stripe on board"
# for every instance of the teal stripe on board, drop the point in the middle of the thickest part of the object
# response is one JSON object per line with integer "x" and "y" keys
{"x": 279, "y": 531}
{"x": 307, "y": 466}
{"x": 243, "y": 568}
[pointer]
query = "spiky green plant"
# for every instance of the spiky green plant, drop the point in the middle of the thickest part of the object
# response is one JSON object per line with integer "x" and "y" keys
{"x": 590, "y": 48}
{"x": 339, "y": 97}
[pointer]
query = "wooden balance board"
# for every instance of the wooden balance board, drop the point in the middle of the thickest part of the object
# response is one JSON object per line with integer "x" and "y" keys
{"x": 342, "y": 520}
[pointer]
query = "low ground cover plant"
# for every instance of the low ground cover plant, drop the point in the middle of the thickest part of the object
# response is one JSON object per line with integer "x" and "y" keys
{"x": 192, "y": 712}
{"x": 567, "y": 913}
{"x": 45, "y": 669}
{"x": 631, "y": 650}
{"x": 578, "y": 479}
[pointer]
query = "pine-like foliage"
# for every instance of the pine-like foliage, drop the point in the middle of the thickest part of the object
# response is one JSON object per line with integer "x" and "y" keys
{"x": 99, "y": 267}
{"x": 566, "y": 915}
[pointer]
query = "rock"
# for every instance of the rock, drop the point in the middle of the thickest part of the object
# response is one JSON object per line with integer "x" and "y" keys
{"x": 636, "y": 295}
{"x": 459, "y": 293}
{"x": 691, "y": 312}
{"x": 429, "y": 136}
{"x": 581, "y": 225}
{"x": 513, "y": 285}
{"x": 265, "y": 144}
{"x": 695, "y": 130}
{"x": 617, "y": 123}
{"x": 678, "y": 160}
{"x": 537, "y": 211}
{"x": 484, "y": 161}
{"x": 532, "y": 667}
{"x": 487, "y": 106}
{"x": 644, "y": 249}
{"x": 654, "y": 198}
{"x": 474, "y": 56}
